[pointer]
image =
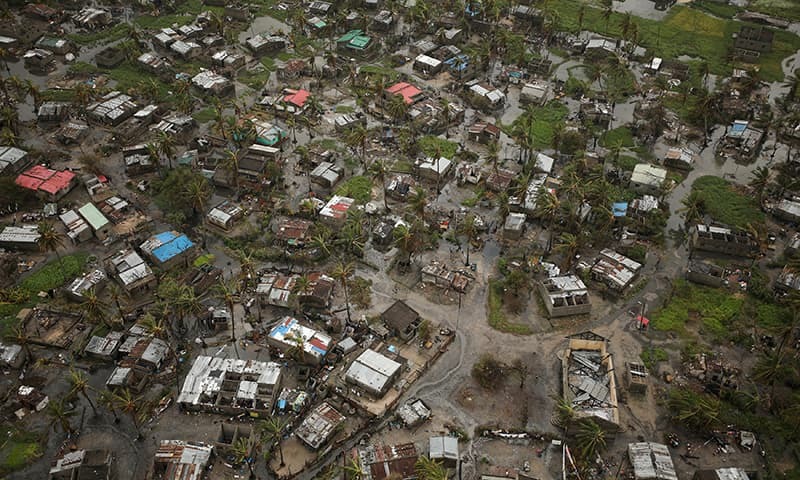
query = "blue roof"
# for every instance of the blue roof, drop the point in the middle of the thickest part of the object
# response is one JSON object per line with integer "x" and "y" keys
{"x": 620, "y": 209}
{"x": 459, "y": 62}
{"x": 165, "y": 237}
{"x": 172, "y": 246}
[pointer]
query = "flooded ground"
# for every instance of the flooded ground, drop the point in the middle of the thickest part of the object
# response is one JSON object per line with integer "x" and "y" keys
{"x": 264, "y": 24}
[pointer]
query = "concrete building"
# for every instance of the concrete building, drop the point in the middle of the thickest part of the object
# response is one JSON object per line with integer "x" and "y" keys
{"x": 12, "y": 356}
{"x": 401, "y": 320}
{"x": 373, "y": 372}
{"x": 413, "y": 413}
{"x": 334, "y": 213}
{"x": 20, "y": 237}
{"x": 309, "y": 345}
{"x": 444, "y": 450}
{"x": 534, "y": 93}
{"x": 132, "y": 272}
{"x": 433, "y": 169}
{"x": 615, "y": 270}
{"x": 514, "y": 226}
{"x": 167, "y": 249}
{"x": 589, "y": 384}
{"x": 706, "y": 273}
{"x": 326, "y": 174}
{"x": 647, "y": 179}
{"x": 484, "y": 133}
{"x": 726, "y": 473}
{"x": 13, "y": 160}
{"x": 565, "y": 295}
{"x": 751, "y": 42}
{"x": 651, "y": 461}
{"x": 410, "y": 93}
{"x": 92, "y": 18}
{"x": 179, "y": 460}
{"x": 725, "y": 240}
{"x": 788, "y": 210}
{"x": 319, "y": 426}
{"x": 293, "y": 232}
{"x": 230, "y": 386}
{"x": 225, "y": 215}
{"x": 356, "y": 43}
{"x": 104, "y": 348}
{"x": 98, "y": 222}
{"x": 427, "y": 66}
{"x": 77, "y": 228}
{"x": 263, "y": 43}
{"x": 112, "y": 109}
{"x": 83, "y": 464}
{"x": 485, "y": 96}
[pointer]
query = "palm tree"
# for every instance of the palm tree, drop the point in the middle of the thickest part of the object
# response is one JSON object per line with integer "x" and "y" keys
{"x": 19, "y": 336}
{"x": 357, "y": 139}
{"x": 590, "y": 438}
{"x": 342, "y": 272}
{"x": 241, "y": 454}
{"x": 759, "y": 182}
{"x": 166, "y": 146}
{"x": 117, "y": 294}
{"x": 353, "y": 470}
{"x": 568, "y": 245}
{"x": 106, "y": 399}
{"x": 198, "y": 192}
{"x": 271, "y": 432}
{"x": 227, "y": 291}
{"x": 50, "y": 240}
{"x": 769, "y": 369}
{"x": 468, "y": 229}
{"x": 581, "y": 14}
{"x": 93, "y": 307}
{"x": 626, "y": 24}
{"x": 80, "y": 385}
{"x": 128, "y": 403}
{"x": 379, "y": 169}
{"x": 397, "y": 108}
{"x": 692, "y": 208}
{"x": 429, "y": 469}
{"x": 60, "y": 415}
{"x": 418, "y": 202}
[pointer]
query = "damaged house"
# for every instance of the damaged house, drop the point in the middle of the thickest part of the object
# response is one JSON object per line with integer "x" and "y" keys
{"x": 588, "y": 380}
{"x": 720, "y": 239}
{"x": 565, "y": 295}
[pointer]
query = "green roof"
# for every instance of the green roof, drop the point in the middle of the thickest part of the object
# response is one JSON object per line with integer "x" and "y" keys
{"x": 93, "y": 216}
{"x": 320, "y": 24}
{"x": 349, "y": 36}
{"x": 360, "y": 42}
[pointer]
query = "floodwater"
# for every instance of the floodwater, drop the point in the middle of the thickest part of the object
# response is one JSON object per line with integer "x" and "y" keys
{"x": 264, "y": 24}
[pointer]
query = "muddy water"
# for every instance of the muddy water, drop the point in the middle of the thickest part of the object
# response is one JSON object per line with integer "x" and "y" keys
{"x": 265, "y": 24}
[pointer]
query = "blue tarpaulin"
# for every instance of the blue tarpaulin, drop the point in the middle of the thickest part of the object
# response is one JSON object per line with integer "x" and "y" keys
{"x": 620, "y": 209}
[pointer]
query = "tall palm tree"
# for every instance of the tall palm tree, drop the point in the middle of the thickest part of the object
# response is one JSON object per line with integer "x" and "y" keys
{"x": 241, "y": 453}
{"x": 80, "y": 385}
{"x": 692, "y": 209}
{"x": 568, "y": 245}
{"x": 271, "y": 432}
{"x": 418, "y": 202}
{"x": 397, "y": 108}
{"x": 357, "y": 139}
{"x": 353, "y": 470}
{"x": 93, "y": 307}
{"x": 379, "y": 170}
{"x": 106, "y": 399}
{"x": 342, "y": 272}
{"x": 166, "y": 146}
{"x": 51, "y": 240}
{"x": 227, "y": 291}
{"x": 20, "y": 336}
{"x": 590, "y": 438}
{"x": 469, "y": 229}
{"x": 60, "y": 414}
{"x": 198, "y": 191}
{"x": 759, "y": 181}
{"x": 127, "y": 402}
{"x": 429, "y": 469}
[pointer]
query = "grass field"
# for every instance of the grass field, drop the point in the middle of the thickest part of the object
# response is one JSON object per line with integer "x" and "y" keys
{"x": 17, "y": 449}
{"x": 726, "y": 205}
{"x": 714, "y": 308}
{"x": 543, "y": 122}
{"x": 433, "y": 146}
{"x": 685, "y": 31}
{"x": 785, "y": 9}
{"x": 358, "y": 188}
{"x": 205, "y": 115}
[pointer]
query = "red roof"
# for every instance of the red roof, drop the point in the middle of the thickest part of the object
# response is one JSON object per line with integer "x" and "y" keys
{"x": 59, "y": 181}
{"x": 408, "y": 91}
{"x": 296, "y": 97}
{"x": 30, "y": 183}
{"x": 40, "y": 172}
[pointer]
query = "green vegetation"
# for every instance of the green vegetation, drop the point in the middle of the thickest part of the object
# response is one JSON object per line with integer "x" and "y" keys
{"x": 437, "y": 147}
{"x": 626, "y": 162}
{"x": 390, "y": 73}
{"x": 205, "y": 115}
{"x": 206, "y": 259}
{"x": 724, "y": 204}
{"x": 19, "y": 448}
{"x": 619, "y": 136}
{"x": 784, "y": 9}
{"x": 652, "y": 356}
{"x": 163, "y": 21}
{"x": 106, "y": 35}
{"x": 58, "y": 95}
{"x": 344, "y": 109}
{"x": 715, "y": 308}
{"x": 497, "y": 318}
{"x": 83, "y": 68}
{"x": 257, "y": 77}
{"x": 721, "y": 10}
{"x": 52, "y": 275}
{"x": 540, "y": 123}
{"x": 358, "y": 188}
{"x": 684, "y": 31}
{"x": 129, "y": 76}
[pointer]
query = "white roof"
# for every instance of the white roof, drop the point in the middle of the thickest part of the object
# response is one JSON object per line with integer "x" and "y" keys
{"x": 646, "y": 174}
{"x": 430, "y": 61}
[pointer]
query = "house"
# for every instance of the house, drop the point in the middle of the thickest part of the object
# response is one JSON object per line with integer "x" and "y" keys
{"x": 104, "y": 348}
{"x": 680, "y": 158}
{"x": 92, "y": 18}
{"x": 410, "y": 93}
{"x": 41, "y": 11}
{"x": 401, "y": 320}
{"x": 12, "y": 356}
{"x": 424, "y": 46}
{"x": 112, "y": 109}
{"x": 382, "y": 462}
{"x": 38, "y": 60}
{"x": 49, "y": 184}
{"x": 500, "y": 180}
{"x": 109, "y": 57}
{"x": 413, "y": 413}
{"x": 76, "y": 227}
{"x": 729, "y": 241}
{"x": 13, "y": 160}
{"x": 179, "y": 460}
{"x": 20, "y": 237}
{"x": 436, "y": 273}
{"x": 98, "y": 222}
{"x": 615, "y": 270}
{"x": 741, "y": 141}
{"x": 725, "y": 473}
{"x": 326, "y": 174}
{"x": 319, "y": 426}
{"x": 484, "y": 133}
{"x": 433, "y": 169}
{"x": 432, "y": 116}
{"x": 290, "y": 336}
{"x": 153, "y": 63}
{"x": 269, "y": 135}
{"x": 355, "y": 42}
{"x": 706, "y": 273}
{"x": 383, "y": 20}
{"x": 165, "y": 37}
{"x": 534, "y": 93}
{"x": 347, "y": 121}
{"x": 373, "y": 372}
{"x": 596, "y": 112}
{"x": 444, "y": 450}
{"x": 321, "y": 8}
{"x": 400, "y": 186}
{"x": 213, "y": 83}
{"x": 600, "y": 47}
{"x": 131, "y": 271}
{"x": 565, "y": 295}
{"x": 83, "y": 464}
{"x": 426, "y": 65}
{"x": 485, "y": 96}
{"x": 289, "y": 102}
{"x": 253, "y": 162}
{"x": 514, "y": 226}
{"x": 319, "y": 291}
{"x": 59, "y": 46}
{"x": 137, "y": 160}
{"x": 751, "y": 42}
{"x": 231, "y": 386}
{"x": 225, "y": 215}
{"x": 228, "y": 60}
{"x": 334, "y": 213}
{"x": 651, "y": 461}
{"x": 647, "y": 178}
{"x": 52, "y": 112}
{"x": 294, "y": 232}
{"x": 276, "y": 289}
{"x": 263, "y": 44}
{"x": 72, "y": 132}
{"x": 588, "y": 380}
{"x": 168, "y": 248}
{"x": 94, "y": 280}
{"x": 788, "y": 210}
